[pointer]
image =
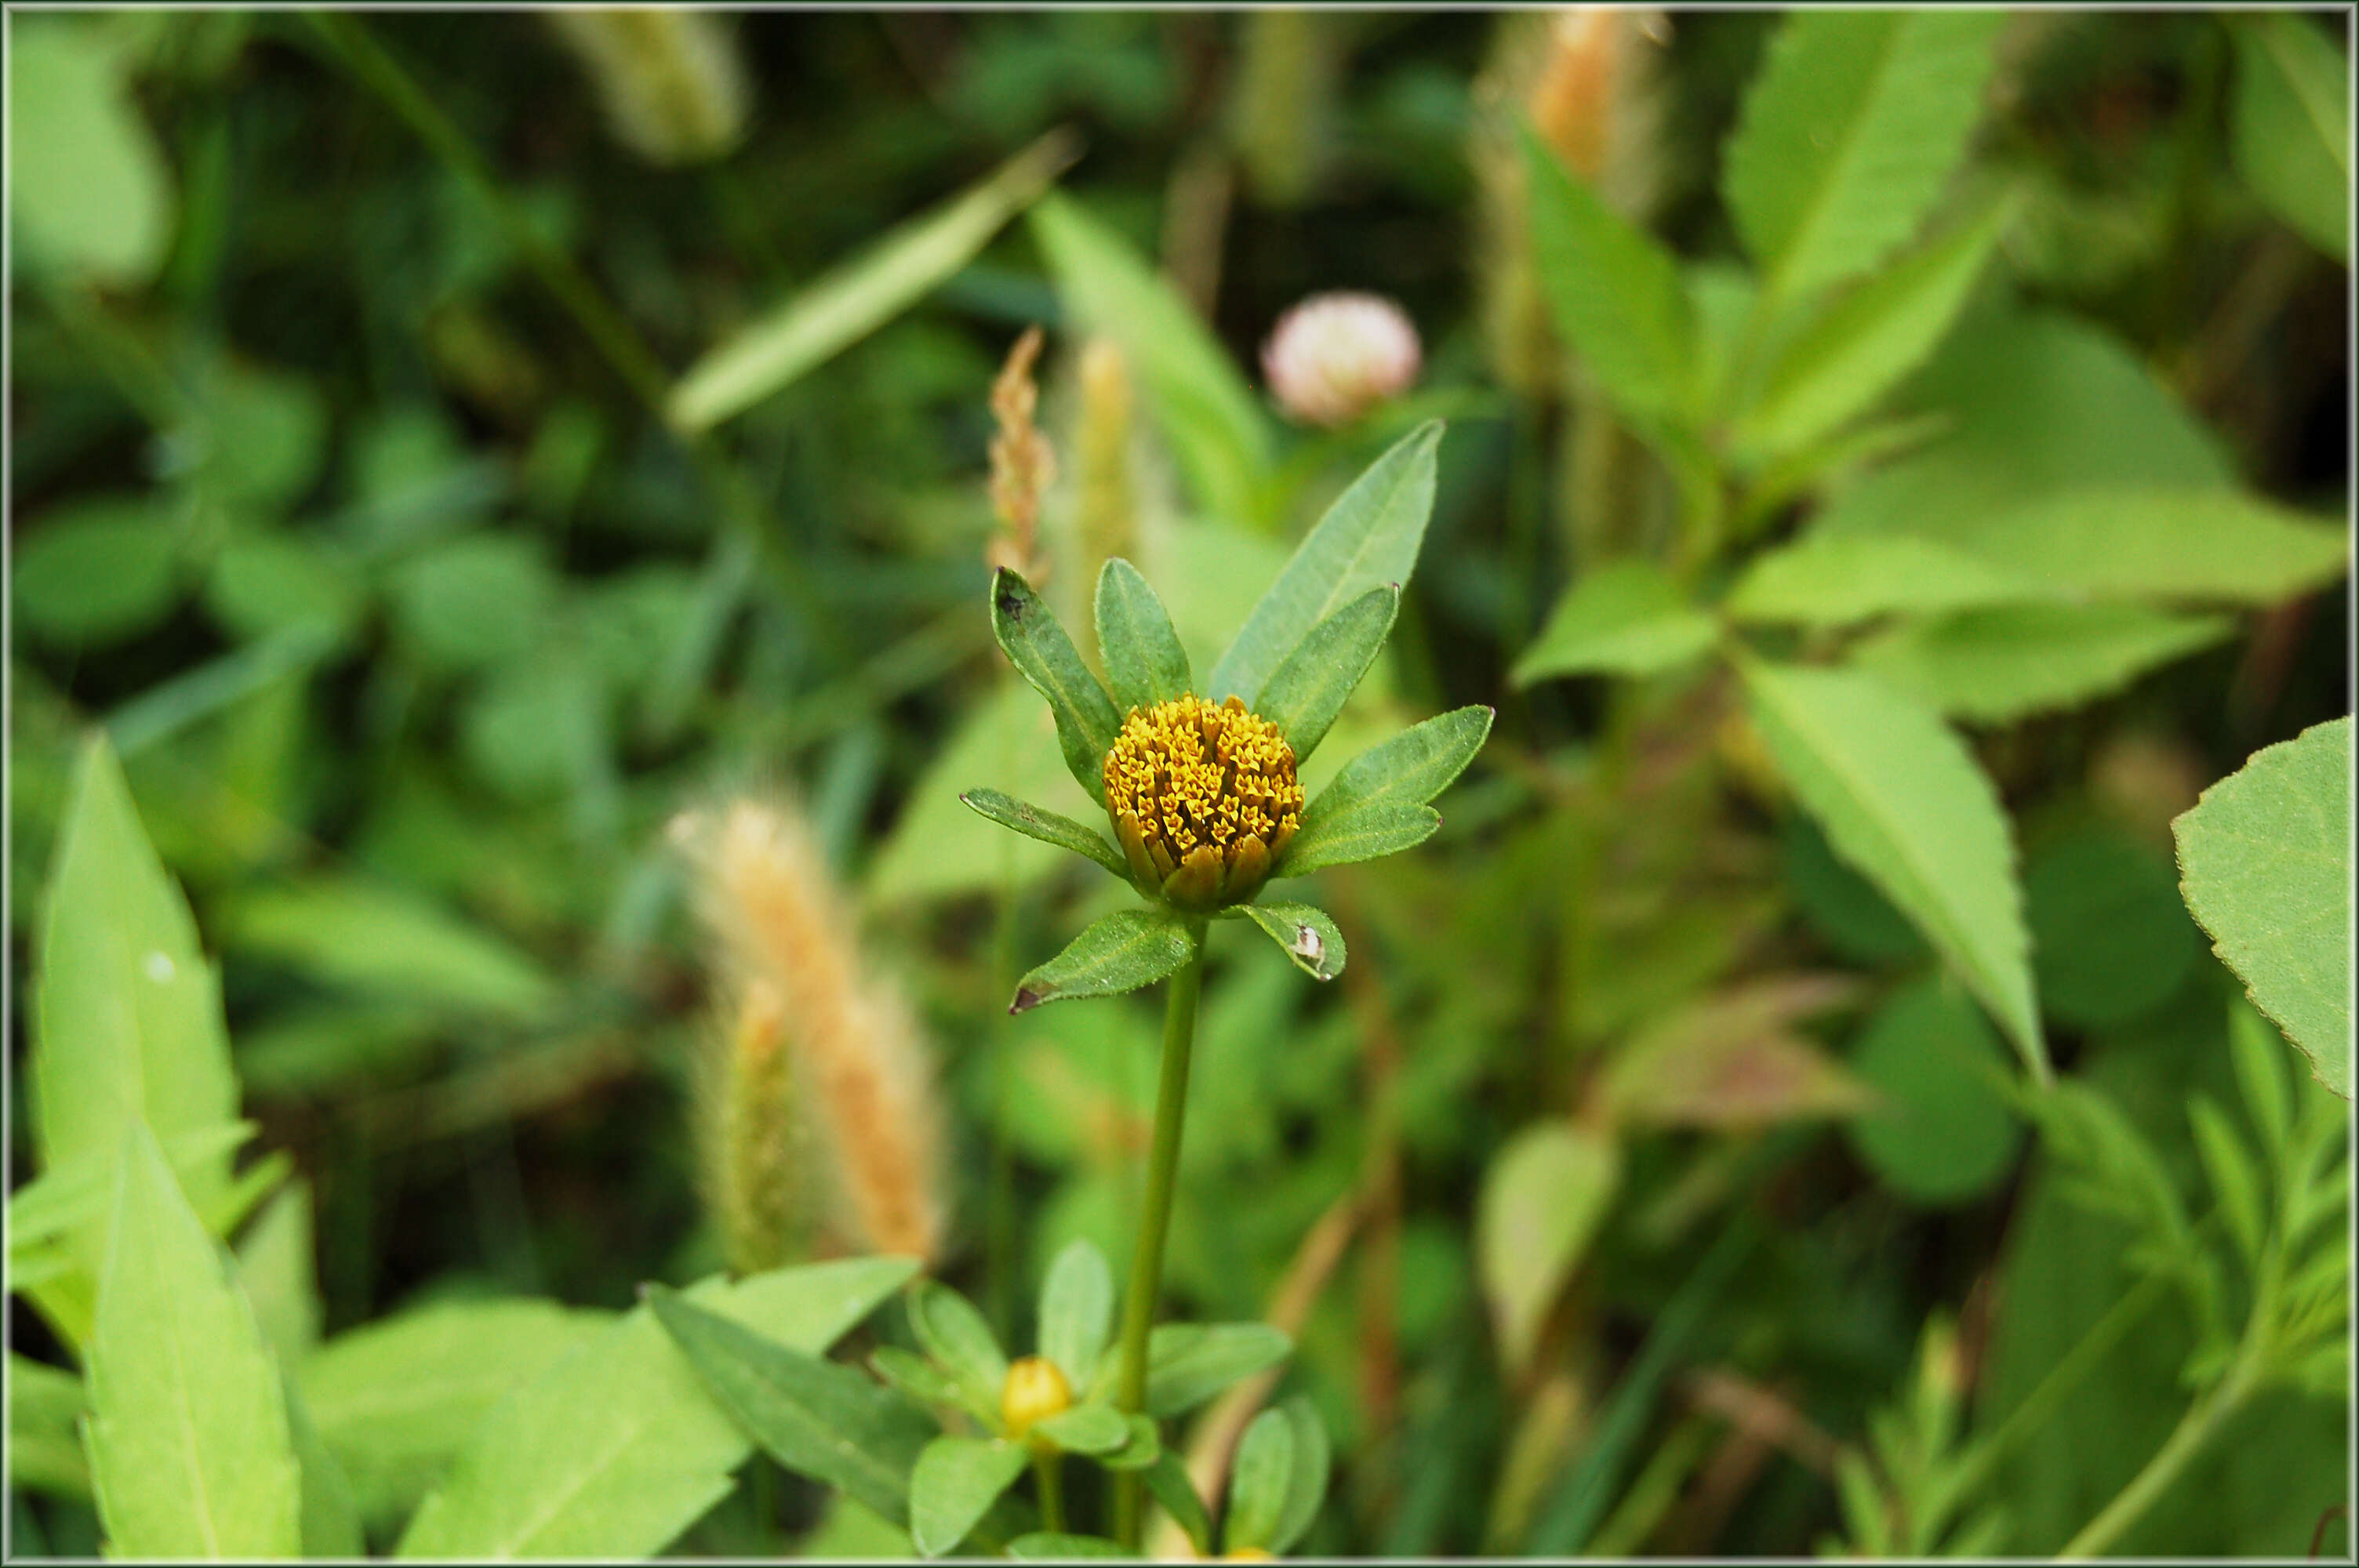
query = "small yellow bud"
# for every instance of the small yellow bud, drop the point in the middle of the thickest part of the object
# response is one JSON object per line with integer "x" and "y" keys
{"x": 1203, "y": 798}
{"x": 1034, "y": 1391}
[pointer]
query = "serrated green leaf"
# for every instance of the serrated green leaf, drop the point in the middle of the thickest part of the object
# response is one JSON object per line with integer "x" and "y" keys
{"x": 1307, "y": 935}
{"x": 1854, "y": 352}
{"x": 958, "y": 1340}
{"x": 91, "y": 191}
{"x": 953, "y": 1485}
{"x": 1168, "y": 1479}
{"x": 46, "y": 1407}
{"x": 1903, "y": 803}
{"x": 1034, "y": 822}
{"x": 1833, "y": 579}
{"x": 1202, "y": 406}
{"x": 1044, "y": 1546}
{"x": 1188, "y": 1363}
{"x": 853, "y": 299}
{"x": 190, "y": 1451}
{"x": 2237, "y": 1182}
{"x": 2265, "y": 864}
{"x": 1996, "y": 666}
{"x": 1627, "y": 618}
{"x": 1368, "y": 539}
{"x": 2138, "y": 542}
{"x": 1364, "y": 833}
{"x": 616, "y": 1447}
{"x": 127, "y": 1020}
{"x": 1615, "y": 291}
{"x": 1940, "y": 1132}
{"x": 96, "y": 573}
{"x": 1086, "y": 1429}
{"x": 1028, "y": 632}
{"x": 1076, "y": 1311}
{"x": 1258, "y": 1478}
{"x": 1542, "y": 1200}
{"x": 395, "y": 1400}
{"x": 1116, "y": 953}
{"x": 1307, "y": 690}
{"x": 1848, "y": 133}
{"x": 1144, "y": 661}
{"x": 2290, "y": 125}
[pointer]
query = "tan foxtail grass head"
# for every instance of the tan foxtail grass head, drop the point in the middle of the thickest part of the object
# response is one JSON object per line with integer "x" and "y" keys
{"x": 827, "y": 1081}
{"x": 671, "y": 82}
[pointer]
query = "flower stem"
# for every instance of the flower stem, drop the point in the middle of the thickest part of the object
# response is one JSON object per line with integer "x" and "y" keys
{"x": 1155, "y": 1215}
{"x": 1048, "y": 1468}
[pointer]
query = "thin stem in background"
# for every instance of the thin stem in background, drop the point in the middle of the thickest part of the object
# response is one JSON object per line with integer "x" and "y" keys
{"x": 1155, "y": 1215}
{"x": 1048, "y": 1470}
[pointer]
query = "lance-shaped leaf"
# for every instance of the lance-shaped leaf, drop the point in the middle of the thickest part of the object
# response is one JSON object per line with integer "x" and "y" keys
{"x": 1903, "y": 803}
{"x": 1833, "y": 579}
{"x": 1996, "y": 665}
{"x": 1542, "y": 1202}
{"x": 1258, "y": 1479}
{"x": 1116, "y": 953}
{"x": 1309, "y": 687}
{"x": 46, "y": 1407}
{"x": 1615, "y": 290}
{"x": 954, "y": 1484}
{"x": 1028, "y": 632}
{"x": 2265, "y": 864}
{"x": 1188, "y": 1363}
{"x": 1076, "y": 1310}
{"x": 1144, "y": 664}
{"x": 1626, "y": 619}
{"x": 1368, "y": 539}
{"x": 1168, "y": 1478}
{"x": 1035, "y": 822}
{"x": 2291, "y": 124}
{"x": 1375, "y": 804}
{"x": 1308, "y": 936}
{"x": 1306, "y": 1485}
{"x": 2138, "y": 542}
{"x": 960, "y": 1342}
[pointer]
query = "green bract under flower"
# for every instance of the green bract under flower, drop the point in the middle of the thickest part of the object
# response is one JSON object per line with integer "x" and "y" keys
{"x": 1203, "y": 799}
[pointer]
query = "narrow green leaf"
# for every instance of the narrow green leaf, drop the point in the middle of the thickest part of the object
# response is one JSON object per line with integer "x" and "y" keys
{"x": 2258, "y": 1057}
{"x": 2236, "y": 1179}
{"x": 1833, "y": 579}
{"x": 2265, "y": 864}
{"x": 1627, "y": 618}
{"x": 1076, "y": 1310}
{"x": 1144, "y": 664}
{"x": 1993, "y": 667}
{"x": 953, "y": 1485}
{"x": 275, "y": 1267}
{"x": 80, "y": 1193}
{"x": 1308, "y": 689}
{"x": 2290, "y": 125}
{"x": 1188, "y": 1363}
{"x": 1307, "y": 935}
{"x": 816, "y": 1418}
{"x": 1116, "y": 953}
{"x": 1168, "y": 1479}
{"x": 1542, "y": 1200}
{"x": 127, "y": 1012}
{"x": 1368, "y": 539}
{"x": 916, "y": 1376}
{"x": 189, "y": 1445}
{"x": 1042, "y": 1546}
{"x": 1086, "y": 1429}
{"x": 1903, "y": 803}
{"x": 1306, "y": 1487}
{"x": 2143, "y": 542}
{"x": 1848, "y": 133}
{"x": 1216, "y": 429}
{"x": 1258, "y": 1478}
{"x": 1362, "y": 832}
{"x": 960, "y": 1342}
{"x": 1086, "y": 720}
{"x": 1034, "y": 822}
{"x": 1616, "y": 292}
{"x": 328, "y": 1514}
{"x": 1858, "y": 349}
{"x": 385, "y": 941}
{"x": 615, "y": 1448}
{"x": 46, "y": 1407}
{"x": 856, "y": 299}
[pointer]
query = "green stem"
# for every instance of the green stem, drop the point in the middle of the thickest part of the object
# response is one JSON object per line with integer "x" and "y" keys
{"x": 1048, "y": 1469}
{"x": 2062, "y": 1379}
{"x": 1154, "y": 1215}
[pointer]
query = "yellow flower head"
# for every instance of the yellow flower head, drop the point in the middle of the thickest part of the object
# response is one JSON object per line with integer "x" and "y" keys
{"x": 1034, "y": 1391}
{"x": 1203, "y": 798}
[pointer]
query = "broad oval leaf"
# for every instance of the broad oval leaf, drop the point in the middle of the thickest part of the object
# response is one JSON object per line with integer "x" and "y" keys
{"x": 960, "y": 1342}
{"x": 1116, "y": 953}
{"x": 91, "y": 191}
{"x": 1307, "y": 935}
{"x": 1258, "y": 1478}
{"x": 1368, "y": 539}
{"x": 1903, "y": 803}
{"x": 2290, "y": 125}
{"x": 104, "y": 570}
{"x": 1028, "y": 632}
{"x": 1144, "y": 661}
{"x": 1086, "y": 1429}
{"x": 1627, "y": 618}
{"x": 854, "y": 300}
{"x": 1734, "y": 1060}
{"x": 191, "y": 1455}
{"x": 1048, "y": 1546}
{"x": 916, "y": 1376}
{"x": 1306, "y": 1488}
{"x": 1940, "y": 1132}
{"x": 1188, "y": 1363}
{"x": 1034, "y": 822}
{"x": 2265, "y": 864}
{"x": 1616, "y": 292}
{"x": 953, "y": 1485}
{"x": 1307, "y": 690}
{"x": 1996, "y": 666}
{"x": 1833, "y": 579}
{"x": 1076, "y": 1311}
{"x": 1848, "y": 133}
{"x": 1543, "y": 1199}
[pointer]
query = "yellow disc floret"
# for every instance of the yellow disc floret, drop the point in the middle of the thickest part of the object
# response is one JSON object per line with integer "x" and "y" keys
{"x": 1203, "y": 798}
{"x": 1034, "y": 1391}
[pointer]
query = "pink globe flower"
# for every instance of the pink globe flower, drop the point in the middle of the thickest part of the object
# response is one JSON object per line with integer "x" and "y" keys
{"x": 1335, "y": 356}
